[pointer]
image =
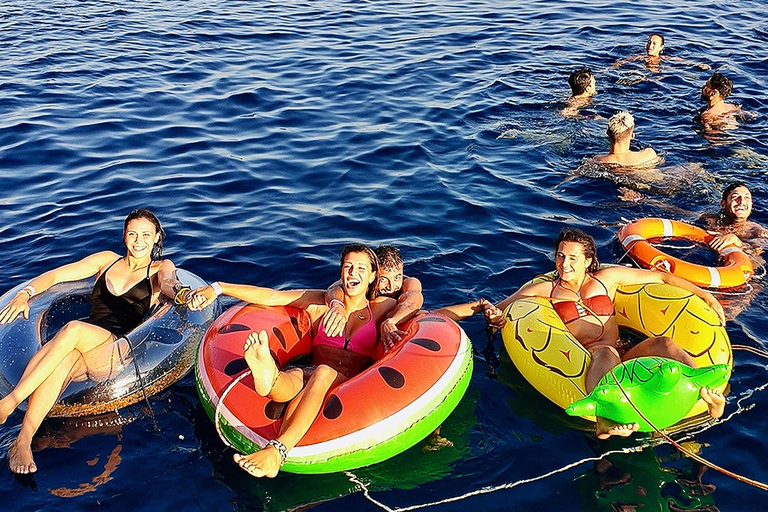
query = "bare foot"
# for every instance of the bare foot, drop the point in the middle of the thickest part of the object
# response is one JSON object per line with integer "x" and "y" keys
{"x": 20, "y": 459}
{"x": 715, "y": 401}
{"x": 265, "y": 462}
{"x": 259, "y": 359}
{"x": 606, "y": 429}
{"x": 436, "y": 442}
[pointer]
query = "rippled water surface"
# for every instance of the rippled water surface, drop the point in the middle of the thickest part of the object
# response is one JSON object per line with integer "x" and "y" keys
{"x": 266, "y": 135}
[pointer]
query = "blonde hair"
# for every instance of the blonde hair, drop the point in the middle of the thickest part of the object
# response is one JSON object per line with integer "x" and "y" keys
{"x": 620, "y": 125}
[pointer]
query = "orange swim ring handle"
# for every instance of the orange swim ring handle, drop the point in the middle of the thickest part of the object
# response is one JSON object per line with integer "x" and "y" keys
{"x": 737, "y": 268}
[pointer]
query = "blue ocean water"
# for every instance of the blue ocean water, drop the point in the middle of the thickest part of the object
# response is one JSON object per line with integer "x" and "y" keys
{"x": 267, "y": 135}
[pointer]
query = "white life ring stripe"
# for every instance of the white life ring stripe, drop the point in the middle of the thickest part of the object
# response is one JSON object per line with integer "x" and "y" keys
{"x": 669, "y": 230}
{"x": 631, "y": 239}
{"x": 714, "y": 277}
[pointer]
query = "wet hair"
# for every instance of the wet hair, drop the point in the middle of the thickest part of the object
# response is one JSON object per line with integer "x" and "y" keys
{"x": 721, "y": 84}
{"x": 586, "y": 241}
{"x": 580, "y": 80}
{"x": 143, "y": 213}
{"x": 372, "y": 258}
{"x": 655, "y": 34}
{"x": 733, "y": 186}
{"x": 389, "y": 257}
{"x": 620, "y": 125}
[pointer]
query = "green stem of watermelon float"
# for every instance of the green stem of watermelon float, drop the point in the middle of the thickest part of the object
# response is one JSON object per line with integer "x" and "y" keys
{"x": 686, "y": 451}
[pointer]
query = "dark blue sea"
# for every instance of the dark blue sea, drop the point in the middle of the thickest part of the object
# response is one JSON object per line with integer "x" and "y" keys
{"x": 266, "y": 135}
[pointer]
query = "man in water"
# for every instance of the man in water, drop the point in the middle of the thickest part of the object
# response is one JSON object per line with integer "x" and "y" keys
{"x": 583, "y": 87}
{"x": 732, "y": 221}
{"x": 731, "y": 224}
{"x": 621, "y": 131}
{"x": 654, "y": 46}
{"x": 714, "y": 92}
{"x": 392, "y": 283}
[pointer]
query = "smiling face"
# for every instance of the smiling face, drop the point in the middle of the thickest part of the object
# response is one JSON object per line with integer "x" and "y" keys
{"x": 356, "y": 274}
{"x": 390, "y": 280}
{"x": 570, "y": 261}
{"x": 738, "y": 204}
{"x": 140, "y": 236}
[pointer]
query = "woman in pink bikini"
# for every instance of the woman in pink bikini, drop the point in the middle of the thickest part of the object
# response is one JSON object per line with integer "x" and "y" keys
{"x": 334, "y": 358}
{"x": 582, "y": 295}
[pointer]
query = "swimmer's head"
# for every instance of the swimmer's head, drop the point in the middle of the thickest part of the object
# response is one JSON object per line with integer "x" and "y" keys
{"x": 582, "y": 82}
{"x": 655, "y": 45}
{"x": 736, "y": 203}
{"x": 620, "y": 126}
{"x": 143, "y": 213}
{"x": 370, "y": 274}
{"x": 717, "y": 83}
{"x": 390, "y": 269}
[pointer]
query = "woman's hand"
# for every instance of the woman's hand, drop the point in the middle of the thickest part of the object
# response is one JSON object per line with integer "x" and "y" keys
{"x": 201, "y": 298}
{"x": 335, "y": 319}
{"x": 714, "y": 304}
{"x": 493, "y": 315}
{"x": 18, "y": 304}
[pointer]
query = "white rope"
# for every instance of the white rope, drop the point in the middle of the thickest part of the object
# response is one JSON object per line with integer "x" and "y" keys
{"x": 217, "y": 411}
{"x": 487, "y": 490}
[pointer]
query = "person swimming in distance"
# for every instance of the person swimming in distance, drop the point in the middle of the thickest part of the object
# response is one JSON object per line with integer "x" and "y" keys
{"x": 621, "y": 131}
{"x": 583, "y": 87}
{"x": 714, "y": 92}
{"x": 392, "y": 283}
{"x": 126, "y": 288}
{"x": 582, "y": 295}
{"x": 654, "y": 46}
{"x": 335, "y": 359}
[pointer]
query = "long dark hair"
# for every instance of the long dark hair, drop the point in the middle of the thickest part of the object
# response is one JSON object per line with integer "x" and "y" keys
{"x": 143, "y": 213}
{"x": 586, "y": 241}
{"x": 374, "y": 286}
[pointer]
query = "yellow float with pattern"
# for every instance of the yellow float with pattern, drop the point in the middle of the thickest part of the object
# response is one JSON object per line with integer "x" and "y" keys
{"x": 555, "y": 363}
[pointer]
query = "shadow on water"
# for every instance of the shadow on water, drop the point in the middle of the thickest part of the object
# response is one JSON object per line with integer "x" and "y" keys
{"x": 413, "y": 468}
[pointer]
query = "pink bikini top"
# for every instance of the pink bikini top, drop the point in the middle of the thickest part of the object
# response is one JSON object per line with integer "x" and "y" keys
{"x": 363, "y": 342}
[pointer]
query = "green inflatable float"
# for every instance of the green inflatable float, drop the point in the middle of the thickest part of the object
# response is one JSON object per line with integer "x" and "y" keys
{"x": 663, "y": 390}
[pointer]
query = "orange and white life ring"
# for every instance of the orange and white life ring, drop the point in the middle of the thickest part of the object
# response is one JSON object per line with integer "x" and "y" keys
{"x": 635, "y": 236}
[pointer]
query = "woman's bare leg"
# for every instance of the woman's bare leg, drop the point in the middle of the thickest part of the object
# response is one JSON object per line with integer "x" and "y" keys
{"x": 40, "y": 402}
{"x": 604, "y": 359}
{"x": 75, "y": 337}
{"x": 300, "y": 415}
{"x": 268, "y": 381}
{"x": 660, "y": 346}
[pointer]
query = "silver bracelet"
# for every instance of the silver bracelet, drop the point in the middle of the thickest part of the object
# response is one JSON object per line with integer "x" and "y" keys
{"x": 29, "y": 290}
{"x": 281, "y": 449}
{"x": 337, "y": 301}
{"x": 216, "y": 288}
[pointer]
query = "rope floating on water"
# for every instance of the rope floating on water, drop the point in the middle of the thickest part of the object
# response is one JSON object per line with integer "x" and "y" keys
{"x": 686, "y": 451}
{"x": 487, "y": 490}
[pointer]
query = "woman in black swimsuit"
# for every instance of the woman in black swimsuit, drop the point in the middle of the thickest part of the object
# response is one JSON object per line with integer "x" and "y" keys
{"x": 125, "y": 290}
